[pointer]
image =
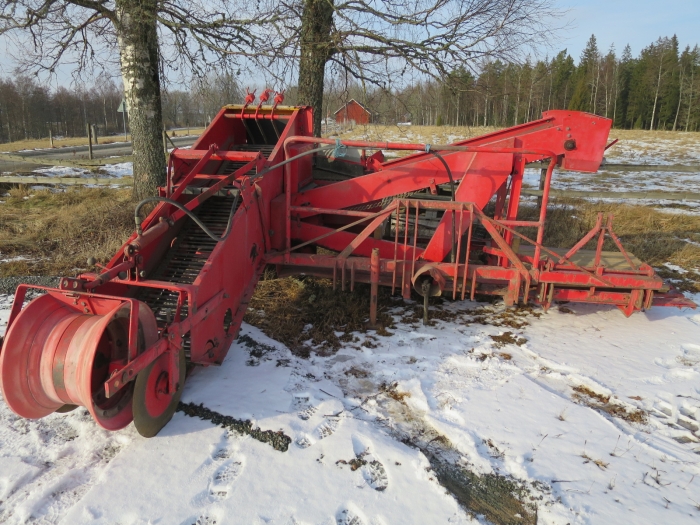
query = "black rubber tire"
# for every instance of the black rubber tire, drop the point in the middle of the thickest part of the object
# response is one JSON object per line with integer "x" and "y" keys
{"x": 147, "y": 425}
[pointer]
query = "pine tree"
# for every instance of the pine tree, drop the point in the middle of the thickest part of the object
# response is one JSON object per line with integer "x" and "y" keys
{"x": 669, "y": 90}
{"x": 586, "y": 78}
{"x": 623, "y": 88}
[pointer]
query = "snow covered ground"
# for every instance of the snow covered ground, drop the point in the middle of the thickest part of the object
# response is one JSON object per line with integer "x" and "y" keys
{"x": 596, "y": 414}
{"x": 639, "y": 147}
{"x": 121, "y": 169}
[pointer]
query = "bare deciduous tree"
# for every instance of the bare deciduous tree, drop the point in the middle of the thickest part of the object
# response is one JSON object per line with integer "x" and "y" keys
{"x": 378, "y": 41}
{"x": 374, "y": 41}
{"x": 88, "y": 33}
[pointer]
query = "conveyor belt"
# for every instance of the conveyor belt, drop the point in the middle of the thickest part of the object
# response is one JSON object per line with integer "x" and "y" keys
{"x": 187, "y": 257}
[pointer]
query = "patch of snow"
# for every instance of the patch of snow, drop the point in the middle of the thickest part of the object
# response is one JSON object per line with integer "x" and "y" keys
{"x": 63, "y": 171}
{"x": 505, "y": 408}
{"x": 121, "y": 169}
{"x": 15, "y": 259}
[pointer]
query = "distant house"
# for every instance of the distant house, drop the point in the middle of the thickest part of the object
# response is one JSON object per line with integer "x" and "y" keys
{"x": 353, "y": 111}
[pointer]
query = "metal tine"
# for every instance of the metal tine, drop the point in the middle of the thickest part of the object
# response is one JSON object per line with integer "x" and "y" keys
{"x": 459, "y": 247}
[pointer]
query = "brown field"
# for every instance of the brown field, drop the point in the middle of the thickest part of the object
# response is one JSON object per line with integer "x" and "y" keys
{"x": 667, "y": 146}
{"x": 75, "y": 141}
{"x": 57, "y": 232}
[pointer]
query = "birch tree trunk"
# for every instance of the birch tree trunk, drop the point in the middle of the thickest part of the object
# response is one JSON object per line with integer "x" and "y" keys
{"x": 517, "y": 101}
{"x": 690, "y": 98}
{"x": 315, "y": 48}
{"x": 680, "y": 98}
{"x": 138, "y": 52}
{"x": 656, "y": 95}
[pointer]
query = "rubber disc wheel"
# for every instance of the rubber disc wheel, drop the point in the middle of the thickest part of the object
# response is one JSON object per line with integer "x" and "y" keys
{"x": 153, "y": 407}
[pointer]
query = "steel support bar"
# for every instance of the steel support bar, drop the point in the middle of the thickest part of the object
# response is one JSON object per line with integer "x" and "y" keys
{"x": 193, "y": 172}
{"x": 235, "y": 156}
{"x": 374, "y": 288}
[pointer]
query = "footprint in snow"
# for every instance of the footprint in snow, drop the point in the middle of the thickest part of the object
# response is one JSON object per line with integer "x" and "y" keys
{"x": 222, "y": 453}
{"x": 302, "y": 404}
{"x": 372, "y": 469}
{"x": 305, "y": 441}
{"x": 375, "y": 475}
{"x": 224, "y": 478}
{"x": 306, "y": 413}
{"x": 327, "y": 428}
{"x": 691, "y": 354}
{"x": 347, "y": 516}
{"x": 209, "y": 517}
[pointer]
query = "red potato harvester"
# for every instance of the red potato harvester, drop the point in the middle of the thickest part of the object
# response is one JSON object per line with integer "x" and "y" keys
{"x": 258, "y": 189}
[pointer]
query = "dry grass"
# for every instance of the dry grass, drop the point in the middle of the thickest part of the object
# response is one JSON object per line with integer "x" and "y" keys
{"x": 391, "y": 390}
{"x": 58, "y": 143}
{"x": 691, "y": 137}
{"x": 57, "y": 232}
{"x": 432, "y": 134}
{"x": 507, "y": 338}
{"x": 670, "y": 145}
{"x": 615, "y": 408}
{"x": 306, "y": 314}
{"x": 43, "y": 143}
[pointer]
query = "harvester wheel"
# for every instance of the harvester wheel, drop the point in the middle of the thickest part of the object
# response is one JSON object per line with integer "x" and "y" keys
{"x": 152, "y": 405}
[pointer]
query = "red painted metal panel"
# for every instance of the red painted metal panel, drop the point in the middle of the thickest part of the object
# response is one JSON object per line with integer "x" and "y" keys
{"x": 48, "y": 358}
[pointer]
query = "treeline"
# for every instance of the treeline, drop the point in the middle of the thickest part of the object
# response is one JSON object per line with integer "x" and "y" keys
{"x": 659, "y": 89}
{"x": 28, "y": 109}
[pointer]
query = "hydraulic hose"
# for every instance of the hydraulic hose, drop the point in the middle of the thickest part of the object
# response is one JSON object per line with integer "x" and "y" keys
{"x": 189, "y": 213}
{"x": 452, "y": 187}
{"x": 291, "y": 159}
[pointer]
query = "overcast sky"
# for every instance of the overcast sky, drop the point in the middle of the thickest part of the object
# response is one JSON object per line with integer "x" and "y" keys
{"x": 618, "y": 22}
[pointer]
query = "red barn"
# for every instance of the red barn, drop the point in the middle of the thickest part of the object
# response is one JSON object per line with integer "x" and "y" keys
{"x": 353, "y": 111}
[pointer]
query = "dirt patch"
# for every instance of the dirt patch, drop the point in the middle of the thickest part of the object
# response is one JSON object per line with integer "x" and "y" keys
{"x": 507, "y": 338}
{"x": 498, "y": 499}
{"x": 502, "y": 500}
{"x": 258, "y": 352}
{"x": 308, "y": 315}
{"x": 514, "y": 317}
{"x": 611, "y": 406}
{"x": 391, "y": 390}
{"x": 277, "y": 440}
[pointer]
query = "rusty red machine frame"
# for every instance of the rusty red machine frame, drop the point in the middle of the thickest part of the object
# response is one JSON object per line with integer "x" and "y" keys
{"x": 257, "y": 189}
